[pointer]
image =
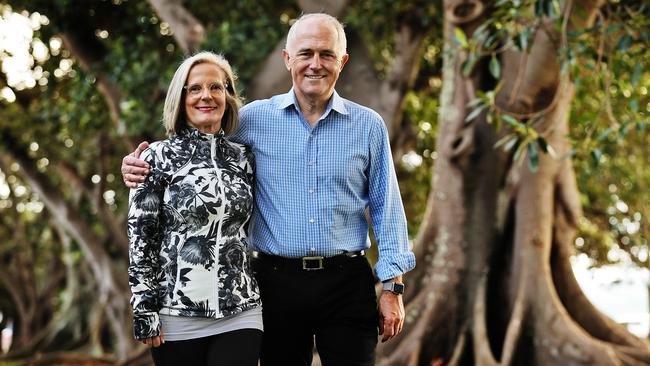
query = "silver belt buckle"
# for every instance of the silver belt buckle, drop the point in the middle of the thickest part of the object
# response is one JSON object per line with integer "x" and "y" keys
{"x": 307, "y": 266}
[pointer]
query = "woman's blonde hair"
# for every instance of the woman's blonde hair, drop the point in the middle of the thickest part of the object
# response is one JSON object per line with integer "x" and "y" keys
{"x": 174, "y": 110}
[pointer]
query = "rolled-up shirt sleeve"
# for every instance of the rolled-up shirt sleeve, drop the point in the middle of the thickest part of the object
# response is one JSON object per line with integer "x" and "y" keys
{"x": 386, "y": 210}
{"x": 143, "y": 229}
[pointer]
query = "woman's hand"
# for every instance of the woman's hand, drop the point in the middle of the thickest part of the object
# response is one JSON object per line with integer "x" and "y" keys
{"x": 156, "y": 341}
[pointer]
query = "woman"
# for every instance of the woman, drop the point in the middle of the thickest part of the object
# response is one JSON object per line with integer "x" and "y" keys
{"x": 195, "y": 301}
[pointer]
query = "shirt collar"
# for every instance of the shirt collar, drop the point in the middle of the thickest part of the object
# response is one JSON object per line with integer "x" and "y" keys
{"x": 336, "y": 102}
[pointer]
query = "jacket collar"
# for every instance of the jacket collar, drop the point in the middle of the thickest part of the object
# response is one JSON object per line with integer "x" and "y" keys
{"x": 194, "y": 134}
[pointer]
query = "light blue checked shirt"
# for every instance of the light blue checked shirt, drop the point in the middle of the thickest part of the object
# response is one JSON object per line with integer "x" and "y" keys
{"x": 313, "y": 184}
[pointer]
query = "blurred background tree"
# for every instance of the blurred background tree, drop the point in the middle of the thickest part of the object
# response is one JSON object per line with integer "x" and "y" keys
{"x": 83, "y": 81}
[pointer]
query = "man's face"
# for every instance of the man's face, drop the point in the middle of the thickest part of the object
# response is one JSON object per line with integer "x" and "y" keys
{"x": 313, "y": 60}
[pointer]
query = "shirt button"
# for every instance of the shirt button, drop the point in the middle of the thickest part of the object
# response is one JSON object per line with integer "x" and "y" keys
{"x": 310, "y": 191}
{"x": 311, "y": 135}
{"x": 311, "y": 221}
{"x": 311, "y": 162}
{"x": 313, "y": 249}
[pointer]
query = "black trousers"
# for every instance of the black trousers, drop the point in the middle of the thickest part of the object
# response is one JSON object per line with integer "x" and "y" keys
{"x": 237, "y": 348}
{"x": 336, "y": 307}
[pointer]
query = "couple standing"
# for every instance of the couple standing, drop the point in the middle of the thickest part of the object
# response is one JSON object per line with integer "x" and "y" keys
{"x": 310, "y": 163}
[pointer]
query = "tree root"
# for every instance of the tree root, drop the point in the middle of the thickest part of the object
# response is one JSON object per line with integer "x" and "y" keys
{"x": 459, "y": 349}
{"x": 480, "y": 335}
{"x": 573, "y": 298}
{"x": 515, "y": 326}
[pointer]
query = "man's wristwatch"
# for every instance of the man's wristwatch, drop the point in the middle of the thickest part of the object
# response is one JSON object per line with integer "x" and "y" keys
{"x": 395, "y": 287}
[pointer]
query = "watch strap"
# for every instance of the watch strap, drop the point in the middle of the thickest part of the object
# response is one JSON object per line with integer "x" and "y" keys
{"x": 394, "y": 287}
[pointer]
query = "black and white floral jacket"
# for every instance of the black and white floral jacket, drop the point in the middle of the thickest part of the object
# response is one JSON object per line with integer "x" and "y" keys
{"x": 187, "y": 231}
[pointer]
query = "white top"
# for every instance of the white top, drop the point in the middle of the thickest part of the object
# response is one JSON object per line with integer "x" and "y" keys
{"x": 180, "y": 328}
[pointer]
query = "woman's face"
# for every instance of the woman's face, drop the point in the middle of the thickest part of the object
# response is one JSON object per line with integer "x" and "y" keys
{"x": 205, "y": 97}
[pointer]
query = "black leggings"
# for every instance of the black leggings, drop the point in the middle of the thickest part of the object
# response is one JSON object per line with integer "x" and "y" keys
{"x": 236, "y": 348}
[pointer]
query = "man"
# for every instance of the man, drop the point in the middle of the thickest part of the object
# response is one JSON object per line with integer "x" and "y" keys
{"x": 321, "y": 160}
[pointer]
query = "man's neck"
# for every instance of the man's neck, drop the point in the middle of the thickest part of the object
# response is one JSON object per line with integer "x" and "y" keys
{"x": 312, "y": 109}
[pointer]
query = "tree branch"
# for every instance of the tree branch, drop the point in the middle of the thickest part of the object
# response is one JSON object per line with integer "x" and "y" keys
{"x": 188, "y": 31}
{"x": 90, "y": 54}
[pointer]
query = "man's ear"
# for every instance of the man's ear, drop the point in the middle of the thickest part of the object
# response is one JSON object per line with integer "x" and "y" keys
{"x": 285, "y": 56}
{"x": 344, "y": 60}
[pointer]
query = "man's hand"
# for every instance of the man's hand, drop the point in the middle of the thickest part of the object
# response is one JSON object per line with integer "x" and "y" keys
{"x": 391, "y": 315}
{"x": 133, "y": 169}
{"x": 156, "y": 341}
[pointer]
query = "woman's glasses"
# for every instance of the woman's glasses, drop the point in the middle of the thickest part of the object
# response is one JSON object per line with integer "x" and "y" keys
{"x": 214, "y": 89}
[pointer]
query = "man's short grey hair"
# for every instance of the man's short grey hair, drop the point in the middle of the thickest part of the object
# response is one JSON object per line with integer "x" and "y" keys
{"x": 341, "y": 44}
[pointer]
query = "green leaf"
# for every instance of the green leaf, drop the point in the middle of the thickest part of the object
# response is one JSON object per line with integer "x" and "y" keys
{"x": 596, "y": 155}
{"x": 504, "y": 140}
{"x": 508, "y": 142}
{"x": 495, "y": 67}
{"x": 604, "y": 134}
{"x": 519, "y": 153}
{"x": 461, "y": 37}
{"x": 624, "y": 129}
{"x": 474, "y": 114}
{"x": 521, "y": 39}
{"x": 468, "y": 65}
{"x": 492, "y": 41}
{"x": 624, "y": 43}
{"x": 511, "y": 143}
{"x": 533, "y": 159}
{"x": 474, "y": 102}
{"x": 512, "y": 121}
{"x": 636, "y": 75}
{"x": 634, "y": 105}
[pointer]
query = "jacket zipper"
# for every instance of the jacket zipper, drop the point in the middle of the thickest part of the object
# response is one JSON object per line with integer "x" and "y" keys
{"x": 221, "y": 211}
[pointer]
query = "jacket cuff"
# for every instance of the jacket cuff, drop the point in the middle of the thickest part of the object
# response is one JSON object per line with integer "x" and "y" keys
{"x": 146, "y": 325}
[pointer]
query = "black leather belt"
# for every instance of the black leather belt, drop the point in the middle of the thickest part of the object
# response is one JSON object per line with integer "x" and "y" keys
{"x": 314, "y": 263}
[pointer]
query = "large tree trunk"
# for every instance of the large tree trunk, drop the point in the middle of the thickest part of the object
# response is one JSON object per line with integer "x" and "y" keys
{"x": 493, "y": 285}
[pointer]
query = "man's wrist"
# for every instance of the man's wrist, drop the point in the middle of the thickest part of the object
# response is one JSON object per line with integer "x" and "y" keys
{"x": 393, "y": 286}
